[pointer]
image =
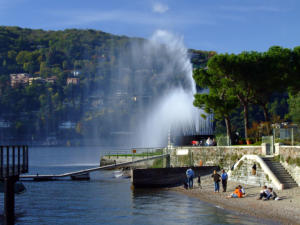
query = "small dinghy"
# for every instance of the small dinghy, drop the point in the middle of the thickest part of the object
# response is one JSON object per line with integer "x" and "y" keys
{"x": 118, "y": 173}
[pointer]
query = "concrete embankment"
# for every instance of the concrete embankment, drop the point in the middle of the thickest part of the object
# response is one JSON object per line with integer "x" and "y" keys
{"x": 110, "y": 160}
{"x": 166, "y": 177}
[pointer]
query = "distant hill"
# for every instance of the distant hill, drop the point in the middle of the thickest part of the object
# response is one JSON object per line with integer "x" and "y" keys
{"x": 76, "y": 77}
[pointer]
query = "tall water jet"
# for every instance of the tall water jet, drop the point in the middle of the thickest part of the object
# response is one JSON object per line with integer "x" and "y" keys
{"x": 174, "y": 108}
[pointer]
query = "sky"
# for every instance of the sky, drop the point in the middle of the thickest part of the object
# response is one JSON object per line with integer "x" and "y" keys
{"x": 230, "y": 26}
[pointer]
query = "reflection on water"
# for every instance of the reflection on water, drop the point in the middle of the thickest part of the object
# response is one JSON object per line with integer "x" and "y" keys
{"x": 107, "y": 200}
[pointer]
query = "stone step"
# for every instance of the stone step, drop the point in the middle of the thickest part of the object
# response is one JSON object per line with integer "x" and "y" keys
{"x": 289, "y": 186}
{"x": 281, "y": 173}
{"x": 279, "y": 166}
{"x": 287, "y": 181}
{"x": 280, "y": 169}
{"x": 290, "y": 183}
{"x": 284, "y": 177}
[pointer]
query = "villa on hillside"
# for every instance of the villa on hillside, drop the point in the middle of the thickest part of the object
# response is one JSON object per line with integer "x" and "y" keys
{"x": 72, "y": 80}
{"x": 19, "y": 79}
{"x": 23, "y": 79}
{"x": 67, "y": 125}
{"x": 51, "y": 80}
{"x": 36, "y": 80}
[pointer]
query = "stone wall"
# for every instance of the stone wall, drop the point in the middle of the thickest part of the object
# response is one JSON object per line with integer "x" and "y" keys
{"x": 289, "y": 157}
{"x": 294, "y": 170}
{"x": 223, "y": 156}
{"x": 289, "y": 151}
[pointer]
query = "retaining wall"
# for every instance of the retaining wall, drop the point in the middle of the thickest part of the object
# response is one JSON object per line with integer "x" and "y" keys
{"x": 166, "y": 177}
{"x": 223, "y": 156}
{"x": 289, "y": 157}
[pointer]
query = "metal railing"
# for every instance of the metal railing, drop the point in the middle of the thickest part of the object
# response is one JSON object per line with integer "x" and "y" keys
{"x": 134, "y": 152}
{"x": 13, "y": 160}
{"x": 287, "y": 136}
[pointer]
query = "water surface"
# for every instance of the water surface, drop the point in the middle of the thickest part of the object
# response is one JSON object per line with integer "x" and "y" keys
{"x": 105, "y": 199}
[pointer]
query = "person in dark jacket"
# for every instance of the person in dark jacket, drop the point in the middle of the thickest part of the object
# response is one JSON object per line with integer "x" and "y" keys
{"x": 216, "y": 177}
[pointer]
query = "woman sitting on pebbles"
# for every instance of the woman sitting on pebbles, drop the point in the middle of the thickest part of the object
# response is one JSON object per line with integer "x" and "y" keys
{"x": 237, "y": 193}
{"x": 272, "y": 195}
{"x": 264, "y": 193}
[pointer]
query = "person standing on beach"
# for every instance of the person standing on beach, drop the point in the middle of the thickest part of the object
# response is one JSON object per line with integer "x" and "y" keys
{"x": 190, "y": 177}
{"x": 224, "y": 178}
{"x": 216, "y": 177}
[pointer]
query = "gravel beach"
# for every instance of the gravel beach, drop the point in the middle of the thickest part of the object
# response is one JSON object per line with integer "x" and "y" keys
{"x": 285, "y": 211}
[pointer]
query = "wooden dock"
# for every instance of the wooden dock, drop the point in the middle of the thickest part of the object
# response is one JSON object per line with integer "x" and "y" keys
{"x": 79, "y": 172}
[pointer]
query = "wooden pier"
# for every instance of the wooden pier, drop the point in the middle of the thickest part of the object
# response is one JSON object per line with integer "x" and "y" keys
{"x": 79, "y": 172}
{"x": 13, "y": 162}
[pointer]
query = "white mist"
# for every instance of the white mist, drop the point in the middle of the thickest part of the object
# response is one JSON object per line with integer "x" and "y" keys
{"x": 175, "y": 107}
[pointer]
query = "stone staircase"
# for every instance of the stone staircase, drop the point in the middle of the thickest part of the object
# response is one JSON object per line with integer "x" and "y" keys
{"x": 281, "y": 173}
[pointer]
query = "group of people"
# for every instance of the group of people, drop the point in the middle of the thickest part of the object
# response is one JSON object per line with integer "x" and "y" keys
{"x": 216, "y": 177}
{"x": 220, "y": 178}
{"x": 210, "y": 142}
{"x": 207, "y": 142}
{"x": 239, "y": 192}
{"x": 267, "y": 193}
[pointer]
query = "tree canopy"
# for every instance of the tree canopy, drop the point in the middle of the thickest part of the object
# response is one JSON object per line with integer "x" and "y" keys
{"x": 254, "y": 78}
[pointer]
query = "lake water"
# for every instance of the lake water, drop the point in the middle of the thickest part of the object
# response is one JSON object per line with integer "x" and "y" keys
{"x": 105, "y": 199}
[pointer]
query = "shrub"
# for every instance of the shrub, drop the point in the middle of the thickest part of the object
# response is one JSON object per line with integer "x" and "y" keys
{"x": 277, "y": 158}
{"x": 234, "y": 157}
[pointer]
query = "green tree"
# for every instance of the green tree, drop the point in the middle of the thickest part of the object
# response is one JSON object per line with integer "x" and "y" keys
{"x": 294, "y": 107}
{"x": 272, "y": 69}
{"x": 218, "y": 100}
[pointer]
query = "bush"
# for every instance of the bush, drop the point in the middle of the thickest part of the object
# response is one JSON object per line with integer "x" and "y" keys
{"x": 293, "y": 161}
{"x": 298, "y": 161}
{"x": 234, "y": 157}
{"x": 277, "y": 158}
{"x": 257, "y": 143}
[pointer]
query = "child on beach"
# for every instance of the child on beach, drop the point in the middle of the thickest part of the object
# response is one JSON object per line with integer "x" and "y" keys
{"x": 199, "y": 181}
{"x": 237, "y": 193}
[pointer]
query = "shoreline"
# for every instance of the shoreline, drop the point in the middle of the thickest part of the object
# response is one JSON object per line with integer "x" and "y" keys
{"x": 284, "y": 211}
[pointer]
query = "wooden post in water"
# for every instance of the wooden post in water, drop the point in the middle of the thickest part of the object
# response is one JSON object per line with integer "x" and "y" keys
{"x": 9, "y": 200}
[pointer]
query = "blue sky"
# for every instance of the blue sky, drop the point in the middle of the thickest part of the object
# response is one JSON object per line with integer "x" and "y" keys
{"x": 220, "y": 25}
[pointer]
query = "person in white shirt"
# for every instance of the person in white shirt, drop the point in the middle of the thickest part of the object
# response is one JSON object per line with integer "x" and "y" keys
{"x": 209, "y": 142}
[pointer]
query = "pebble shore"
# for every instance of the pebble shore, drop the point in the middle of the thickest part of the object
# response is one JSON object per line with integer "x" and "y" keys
{"x": 284, "y": 211}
